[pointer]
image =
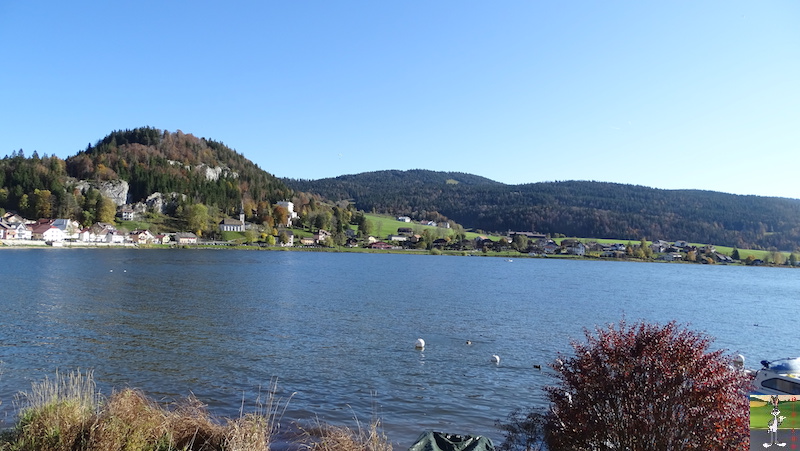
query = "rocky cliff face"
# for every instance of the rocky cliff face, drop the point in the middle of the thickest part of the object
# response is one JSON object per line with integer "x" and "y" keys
{"x": 116, "y": 190}
{"x": 162, "y": 203}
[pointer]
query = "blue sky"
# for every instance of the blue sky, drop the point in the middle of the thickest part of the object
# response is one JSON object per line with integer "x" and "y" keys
{"x": 673, "y": 95}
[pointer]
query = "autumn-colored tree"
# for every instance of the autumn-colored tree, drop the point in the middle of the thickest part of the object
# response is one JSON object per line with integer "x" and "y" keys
{"x": 777, "y": 257}
{"x": 647, "y": 252}
{"x": 24, "y": 204}
{"x": 647, "y": 387}
{"x": 197, "y": 218}
{"x": 280, "y": 215}
{"x": 106, "y": 210}
{"x": 43, "y": 203}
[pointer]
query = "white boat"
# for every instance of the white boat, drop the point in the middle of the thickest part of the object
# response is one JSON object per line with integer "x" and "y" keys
{"x": 778, "y": 377}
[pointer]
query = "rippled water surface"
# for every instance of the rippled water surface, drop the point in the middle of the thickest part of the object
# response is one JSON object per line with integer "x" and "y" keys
{"x": 338, "y": 330}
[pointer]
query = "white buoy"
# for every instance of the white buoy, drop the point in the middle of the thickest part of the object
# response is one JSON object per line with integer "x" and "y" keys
{"x": 420, "y": 344}
{"x": 469, "y": 342}
{"x": 496, "y": 359}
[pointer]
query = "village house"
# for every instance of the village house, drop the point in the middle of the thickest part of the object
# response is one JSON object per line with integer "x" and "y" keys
{"x": 321, "y": 236}
{"x": 616, "y": 247}
{"x": 549, "y": 247}
{"x": 439, "y": 243}
{"x": 46, "y": 231}
{"x": 70, "y": 228}
{"x": 101, "y": 228}
{"x": 286, "y": 238}
{"x": 162, "y": 238}
{"x": 8, "y": 231}
{"x": 308, "y": 241}
{"x": 575, "y": 248}
{"x": 111, "y": 237}
{"x": 186, "y": 238}
{"x": 141, "y": 237}
{"x": 86, "y": 235}
{"x": 24, "y": 232}
{"x": 126, "y": 213}
{"x": 659, "y": 246}
{"x": 398, "y": 238}
{"x": 13, "y": 218}
{"x": 404, "y": 219}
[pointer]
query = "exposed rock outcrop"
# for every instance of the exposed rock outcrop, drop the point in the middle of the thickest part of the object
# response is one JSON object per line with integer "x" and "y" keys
{"x": 116, "y": 190}
{"x": 163, "y": 203}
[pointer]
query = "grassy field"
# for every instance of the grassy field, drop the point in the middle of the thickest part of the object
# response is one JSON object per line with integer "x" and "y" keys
{"x": 761, "y": 413}
{"x": 384, "y": 226}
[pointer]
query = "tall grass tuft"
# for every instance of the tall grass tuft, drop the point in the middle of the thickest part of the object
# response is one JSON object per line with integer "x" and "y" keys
{"x": 325, "y": 437}
{"x": 254, "y": 431}
{"x": 57, "y": 413}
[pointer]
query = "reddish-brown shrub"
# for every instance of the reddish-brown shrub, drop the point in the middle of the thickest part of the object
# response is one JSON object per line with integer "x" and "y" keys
{"x": 646, "y": 387}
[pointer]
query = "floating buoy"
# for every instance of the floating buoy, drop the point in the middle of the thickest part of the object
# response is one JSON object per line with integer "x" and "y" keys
{"x": 420, "y": 344}
{"x": 469, "y": 342}
{"x": 495, "y": 358}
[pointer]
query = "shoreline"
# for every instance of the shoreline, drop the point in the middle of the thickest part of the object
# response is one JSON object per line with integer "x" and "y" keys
{"x": 509, "y": 255}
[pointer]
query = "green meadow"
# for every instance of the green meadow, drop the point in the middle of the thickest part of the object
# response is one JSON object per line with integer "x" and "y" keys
{"x": 761, "y": 413}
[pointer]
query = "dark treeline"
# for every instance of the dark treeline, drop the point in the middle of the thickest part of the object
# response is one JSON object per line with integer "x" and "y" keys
{"x": 150, "y": 160}
{"x": 574, "y": 208}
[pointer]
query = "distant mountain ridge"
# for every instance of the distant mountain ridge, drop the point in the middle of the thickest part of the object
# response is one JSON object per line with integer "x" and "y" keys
{"x": 573, "y": 208}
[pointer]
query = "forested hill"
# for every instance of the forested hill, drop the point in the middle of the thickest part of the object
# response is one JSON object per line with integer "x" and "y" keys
{"x": 151, "y": 161}
{"x": 574, "y": 208}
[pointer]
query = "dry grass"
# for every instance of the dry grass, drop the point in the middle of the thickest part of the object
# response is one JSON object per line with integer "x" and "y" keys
{"x": 56, "y": 413}
{"x": 67, "y": 414}
{"x": 250, "y": 432}
{"x": 325, "y": 437}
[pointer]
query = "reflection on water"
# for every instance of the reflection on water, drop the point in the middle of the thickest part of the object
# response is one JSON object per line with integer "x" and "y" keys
{"x": 339, "y": 329}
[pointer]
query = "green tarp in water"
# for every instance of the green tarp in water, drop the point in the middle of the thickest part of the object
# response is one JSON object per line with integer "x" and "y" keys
{"x": 438, "y": 441}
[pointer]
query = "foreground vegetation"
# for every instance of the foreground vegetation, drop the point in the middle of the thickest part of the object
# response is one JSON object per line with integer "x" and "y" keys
{"x": 68, "y": 414}
{"x": 636, "y": 387}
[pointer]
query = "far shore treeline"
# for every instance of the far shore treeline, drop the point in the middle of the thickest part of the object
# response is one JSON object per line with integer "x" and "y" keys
{"x": 180, "y": 182}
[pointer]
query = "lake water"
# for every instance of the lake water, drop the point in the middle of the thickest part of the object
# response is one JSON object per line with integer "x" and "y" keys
{"x": 338, "y": 330}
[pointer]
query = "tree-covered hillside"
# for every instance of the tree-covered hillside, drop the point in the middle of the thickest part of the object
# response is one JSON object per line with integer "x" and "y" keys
{"x": 150, "y": 160}
{"x": 575, "y": 208}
